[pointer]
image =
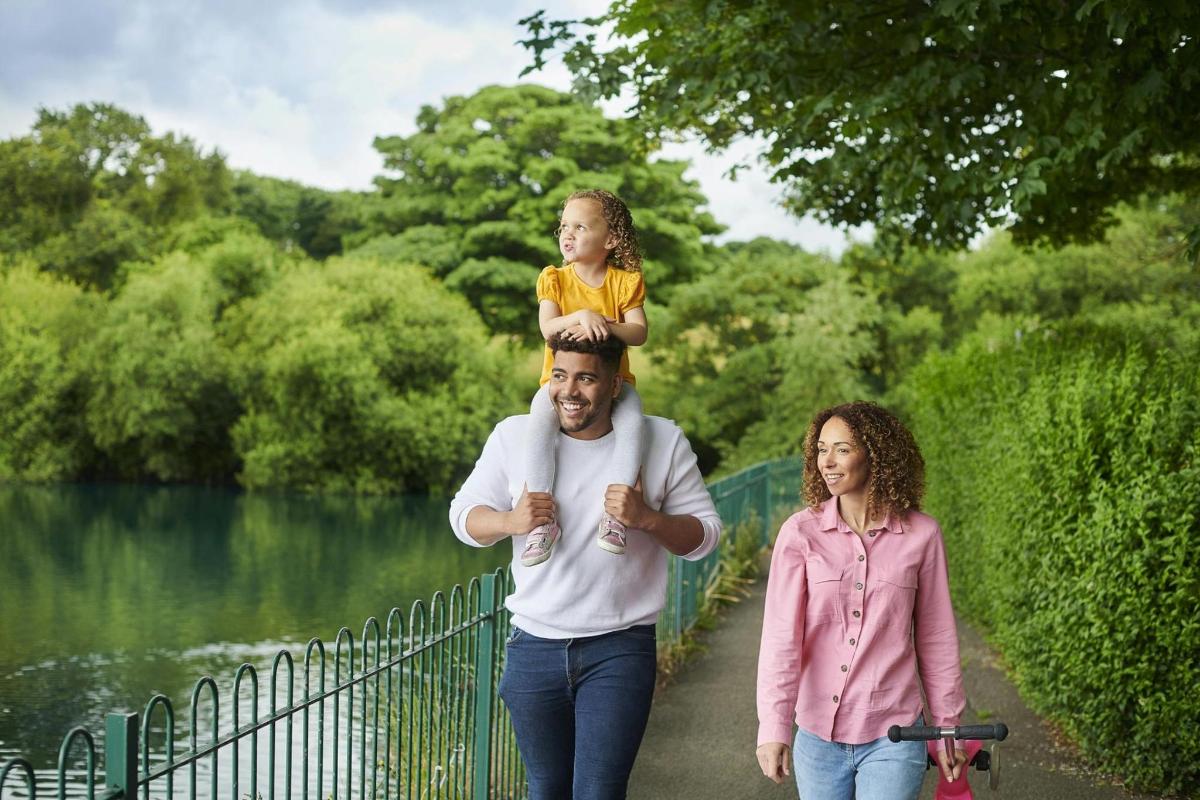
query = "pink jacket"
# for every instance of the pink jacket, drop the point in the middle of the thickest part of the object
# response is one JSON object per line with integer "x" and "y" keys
{"x": 850, "y": 624}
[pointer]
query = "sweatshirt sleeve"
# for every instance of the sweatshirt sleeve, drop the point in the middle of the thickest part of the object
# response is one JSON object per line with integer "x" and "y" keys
{"x": 687, "y": 494}
{"x": 487, "y": 485}
{"x": 782, "y": 642}
{"x": 936, "y": 638}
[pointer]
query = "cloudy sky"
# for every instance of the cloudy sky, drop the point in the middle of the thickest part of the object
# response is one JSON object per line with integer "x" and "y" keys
{"x": 299, "y": 89}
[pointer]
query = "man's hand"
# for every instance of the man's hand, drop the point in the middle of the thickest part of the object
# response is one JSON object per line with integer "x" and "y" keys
{"x": 774, "y": 759}
{"x": 952, "y": 771}
{"x": 627, "y": 505}
{"x": 533, "y": 509}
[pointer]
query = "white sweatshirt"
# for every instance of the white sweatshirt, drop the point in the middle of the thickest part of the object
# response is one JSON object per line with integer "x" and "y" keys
{"x": 584, "y": 590}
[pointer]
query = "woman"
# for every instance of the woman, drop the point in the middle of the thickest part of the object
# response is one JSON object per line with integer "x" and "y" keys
{"x": 858, "y": 618}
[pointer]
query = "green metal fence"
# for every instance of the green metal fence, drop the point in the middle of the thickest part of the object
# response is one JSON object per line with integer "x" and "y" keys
{"x": 409, "y": 711}
{"x": 748, "y": 503}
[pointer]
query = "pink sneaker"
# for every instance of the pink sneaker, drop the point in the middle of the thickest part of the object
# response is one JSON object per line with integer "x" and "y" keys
{"x": 540, "y": 544}
{"x": 612, "y": 535}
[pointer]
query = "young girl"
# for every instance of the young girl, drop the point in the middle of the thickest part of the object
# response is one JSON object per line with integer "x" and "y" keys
{"x": 597, "y": 293}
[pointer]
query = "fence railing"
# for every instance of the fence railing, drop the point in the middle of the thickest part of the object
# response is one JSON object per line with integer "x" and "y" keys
{"x": 411, "y": 712}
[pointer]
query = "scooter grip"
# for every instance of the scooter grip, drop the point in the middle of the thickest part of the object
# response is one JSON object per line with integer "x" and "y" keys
{"x": 999, "y": 731}
{"x": 914, "y": 733}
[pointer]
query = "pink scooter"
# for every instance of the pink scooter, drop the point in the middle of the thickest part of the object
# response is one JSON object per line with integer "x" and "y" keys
{"x": 983, "y": 760}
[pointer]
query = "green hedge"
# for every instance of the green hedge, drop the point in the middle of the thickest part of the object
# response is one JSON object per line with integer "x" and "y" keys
{"x": 1063, "y": 467}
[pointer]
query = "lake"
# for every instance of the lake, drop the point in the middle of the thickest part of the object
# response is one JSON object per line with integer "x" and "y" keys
{"x": 109, "y": 594}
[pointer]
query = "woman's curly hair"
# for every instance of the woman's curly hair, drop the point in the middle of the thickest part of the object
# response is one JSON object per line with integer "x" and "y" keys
{"x": 895, "y": 468}
{"x": 626, "y": 255}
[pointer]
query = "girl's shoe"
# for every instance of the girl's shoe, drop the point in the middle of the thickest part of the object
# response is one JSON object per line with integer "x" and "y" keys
{"x": 540, "y": 544}
{"x": 612, "y": 535}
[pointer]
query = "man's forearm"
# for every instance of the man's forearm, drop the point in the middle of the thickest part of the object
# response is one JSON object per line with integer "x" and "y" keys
{"x": 680, "y": 534}
{"x": 487, "y": 525}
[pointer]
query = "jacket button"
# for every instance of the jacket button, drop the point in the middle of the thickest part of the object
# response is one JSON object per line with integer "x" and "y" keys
{"x": 844, "y": 668}
{"x": 857, "y": 614}
{"x": 835, "y": 698}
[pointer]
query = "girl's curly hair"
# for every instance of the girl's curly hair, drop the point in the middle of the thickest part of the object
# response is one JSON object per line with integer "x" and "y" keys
{"x": 895, "y": 468}
{"x": 627, "y": 254}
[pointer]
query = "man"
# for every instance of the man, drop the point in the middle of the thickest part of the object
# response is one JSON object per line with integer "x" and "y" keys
{"x": 580, "y": 663}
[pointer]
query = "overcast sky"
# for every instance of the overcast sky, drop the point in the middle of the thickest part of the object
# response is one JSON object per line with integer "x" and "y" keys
{"x": 299, "y": 89}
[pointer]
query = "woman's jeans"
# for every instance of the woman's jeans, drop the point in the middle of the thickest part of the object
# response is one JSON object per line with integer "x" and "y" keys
{"x": 877, "y": 770}
{"x": 579, "y": 708}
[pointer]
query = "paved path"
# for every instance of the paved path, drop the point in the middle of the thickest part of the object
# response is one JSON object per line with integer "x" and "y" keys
{"x": 700, "y": 740}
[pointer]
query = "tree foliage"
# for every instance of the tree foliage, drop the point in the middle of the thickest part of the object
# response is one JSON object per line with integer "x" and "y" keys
{"x": 44, "y": 324}
{"x": 930, "y": 120}
{"x": 295, "y": 215}
{"x": 483, "y": 180}
{"x": 161, "y": 402}
{"x": 748, "y": 353}
{"x": 91, "y": 188}
{"x": 362, "y": 377}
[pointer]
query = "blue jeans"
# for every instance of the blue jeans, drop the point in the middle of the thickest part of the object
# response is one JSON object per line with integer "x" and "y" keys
{"x": 878, "y": 770}
{"x": 579, "y": 708}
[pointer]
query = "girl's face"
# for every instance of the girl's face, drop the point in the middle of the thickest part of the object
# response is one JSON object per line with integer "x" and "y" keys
{"x": 583, "y": 235}
{"x": 843, "y": 464}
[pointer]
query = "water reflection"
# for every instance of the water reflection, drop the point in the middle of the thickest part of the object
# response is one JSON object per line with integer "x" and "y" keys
{"x": 109, "y": 595}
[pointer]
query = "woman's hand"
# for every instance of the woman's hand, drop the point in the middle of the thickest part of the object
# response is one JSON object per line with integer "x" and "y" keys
{"x": 952, "y": 771}
{"x": 774, "y": 758}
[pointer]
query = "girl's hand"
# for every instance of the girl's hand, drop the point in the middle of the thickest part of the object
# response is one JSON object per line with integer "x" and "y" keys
{"x": 593, "y": 326}
{"x": 773, "y": 759}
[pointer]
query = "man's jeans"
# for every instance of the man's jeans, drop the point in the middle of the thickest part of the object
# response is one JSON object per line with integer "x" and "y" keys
{"x": 877, "y": 770}
{"x": 579, "y": 708}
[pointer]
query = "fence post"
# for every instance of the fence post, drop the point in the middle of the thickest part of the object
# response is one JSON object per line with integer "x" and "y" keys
{"x": 485, "y": 663}
{"x": 120, "y": 754}
{"x": 764, "y": 537}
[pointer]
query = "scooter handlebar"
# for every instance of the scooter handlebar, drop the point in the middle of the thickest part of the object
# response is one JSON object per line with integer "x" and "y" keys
{"x": 924, "y": 733}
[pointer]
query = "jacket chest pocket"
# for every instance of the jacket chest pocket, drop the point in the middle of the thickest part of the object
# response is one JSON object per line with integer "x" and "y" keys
{"x": 824, "y": 591}
{"x": 893, "y": 596}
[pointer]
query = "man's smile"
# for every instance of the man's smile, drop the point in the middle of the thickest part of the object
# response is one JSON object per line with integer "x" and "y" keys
{"x": 572, "y": 407}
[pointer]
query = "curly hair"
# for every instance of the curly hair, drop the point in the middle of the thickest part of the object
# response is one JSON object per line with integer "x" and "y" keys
{"x": 895, "y": 468}
{"x": 627, "y": 255}
{"x": 608, "y": 350}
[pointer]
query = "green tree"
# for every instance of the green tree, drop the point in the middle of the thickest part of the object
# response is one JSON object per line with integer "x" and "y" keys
{"x": 1140, "y": 264}
{"x": 748, "y": 353}
{"x": 44, "y": 324}
{"x": 933, "y": 299}
{"x": 162, "y": 403}
{"x": 293, "y": 214}
{"x": 914, "y": 289}
{"x": 91, "y": 188}
{"x": 493, "y": 170}
{"x": 363, "y": 377}
{"x": 930, "y": 120}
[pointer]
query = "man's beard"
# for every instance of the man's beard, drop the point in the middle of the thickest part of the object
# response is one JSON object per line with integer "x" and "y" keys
{"x": 581, "y": 423}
